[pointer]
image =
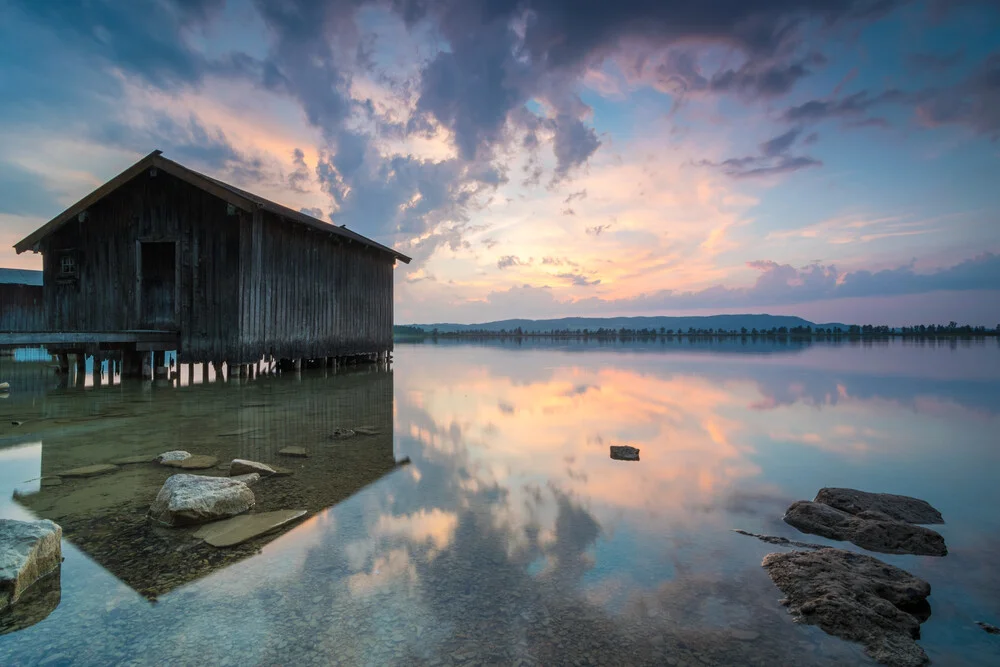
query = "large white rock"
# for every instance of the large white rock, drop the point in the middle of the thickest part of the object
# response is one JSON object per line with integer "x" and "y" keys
{"x": 189, "y": 499}
{"x": 175, "y": 455}
{"x": 29, "y": 550}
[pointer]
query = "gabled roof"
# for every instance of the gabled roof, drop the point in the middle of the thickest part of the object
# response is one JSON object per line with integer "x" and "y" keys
{"x": 241, "y": 199}
{"x": 20, "y": 277}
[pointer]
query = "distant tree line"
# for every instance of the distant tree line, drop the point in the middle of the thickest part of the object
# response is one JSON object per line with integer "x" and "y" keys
{"x": 854, "y": 331}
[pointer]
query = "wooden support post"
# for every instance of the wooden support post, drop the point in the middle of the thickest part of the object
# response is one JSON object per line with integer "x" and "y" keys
{"x": 63, "y": 363}
{"x": 190, "y": 374}
{"x": 98, "y": 369}
{"x": 147, "y": 365}
{"x": 131, "y": 364}
{"x": 160, "y": 369}
{"x": 298, "y": 365}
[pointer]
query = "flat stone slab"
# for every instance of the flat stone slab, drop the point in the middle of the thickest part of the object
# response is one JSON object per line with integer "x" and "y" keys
{"x": 899, "y": 508}
{"x": 29, "y": 550}
{"x": 244, "y": 467}
{"x": 294, "y": 451}
{"x": 191, "y": 499}
{"x": 175, "y": 455}
{"x": 857, "y": 598}
{"x": 129, "y": 460}
{"x": 89, "y": 471}
{"x": 51, "y": 481}
{"x": 246, "y": 527}
{"x": 196, "y": 462}
{"x": 624, "y": 453}
{"x": 365, "y": 430}
{"x": 249, "y": 479}
{"x": 875, "y": 534}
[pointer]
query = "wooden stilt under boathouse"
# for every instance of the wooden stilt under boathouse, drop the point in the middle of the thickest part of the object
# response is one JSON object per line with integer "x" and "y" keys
{"x": 164, "y": 258}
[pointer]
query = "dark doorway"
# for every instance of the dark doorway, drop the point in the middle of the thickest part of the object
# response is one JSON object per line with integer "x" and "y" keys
{"x": 158, "y": 282}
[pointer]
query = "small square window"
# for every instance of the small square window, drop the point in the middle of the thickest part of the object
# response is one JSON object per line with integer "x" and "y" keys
{"x": 67, "y": 265}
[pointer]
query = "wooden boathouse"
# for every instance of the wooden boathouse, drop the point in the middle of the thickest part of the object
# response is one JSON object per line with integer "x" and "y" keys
{"x": 163, "y": 258}
{"x": 21, "y": 305}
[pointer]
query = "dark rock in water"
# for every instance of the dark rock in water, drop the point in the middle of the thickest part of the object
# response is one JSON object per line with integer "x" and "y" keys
{"x": 34, "y": 606}
{"x": 244, "y": 467}
{"x": 341, "y": 433}
{"x": 294, "y": 451}
{"x": 29, "y": 550}
{"x": 88, "y": 471}
{"x": 869, "y": 530}
{"x": 366, "y": 430}
{"x": 992, "y": 629}
{"x": 898, "y": 508}
{"x": 857, "y": 598}
{"x": 781, "y": 541}
{"x": 624, "y": 453}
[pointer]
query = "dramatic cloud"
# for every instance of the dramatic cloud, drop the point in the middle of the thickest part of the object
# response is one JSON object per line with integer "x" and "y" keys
{"x": 974, "y": 103}
{"x": 774, "y": 159}
{"x": 508, "y": 261}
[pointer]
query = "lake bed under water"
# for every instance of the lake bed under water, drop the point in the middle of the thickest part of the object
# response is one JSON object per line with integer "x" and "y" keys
{"x": 482, "y": 520}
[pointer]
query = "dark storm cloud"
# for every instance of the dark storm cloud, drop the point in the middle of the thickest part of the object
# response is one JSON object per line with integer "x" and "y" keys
{"x": 299, "y": 178}
{"x": 773, "y": 159}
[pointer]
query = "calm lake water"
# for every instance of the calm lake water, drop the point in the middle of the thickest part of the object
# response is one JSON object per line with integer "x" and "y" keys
{"x": 510, "y": 536}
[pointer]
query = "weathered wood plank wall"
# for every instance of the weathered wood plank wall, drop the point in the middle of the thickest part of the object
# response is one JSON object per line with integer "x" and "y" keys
{"x": 248, "y": 285}
{"x": 306, "y": 294}
{"x": 22, "y": 308}
{"x": 105, "y": 296}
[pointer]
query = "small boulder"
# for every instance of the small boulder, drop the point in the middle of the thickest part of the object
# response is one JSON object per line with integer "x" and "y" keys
{"x": 342, "y": 433}
{"x": 624, "y": 453}
{"x": 870, "y": 531}
{"x": 194, "y": 462}
{"x": 4, "y": 386}
{"x": 29, "y": 550}
{"x": 898, "y": 508}
{"x": 175, "y": 455}
{"x": 294, "y": 451}
{"x": 190, "y": 499}
{"x": 246, "y": 527}
{"x": 244, "y": 467}
{"x": 89, "y": 471}
{"x": 857, "y": 598}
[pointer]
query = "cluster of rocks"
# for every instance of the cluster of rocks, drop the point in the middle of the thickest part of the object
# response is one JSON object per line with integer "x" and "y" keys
{"x": 854, "y": 596}
{"x": 221, "y": 502}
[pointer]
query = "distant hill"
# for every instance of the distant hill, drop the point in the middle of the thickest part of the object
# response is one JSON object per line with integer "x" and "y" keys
{"x": 724, "y": 322}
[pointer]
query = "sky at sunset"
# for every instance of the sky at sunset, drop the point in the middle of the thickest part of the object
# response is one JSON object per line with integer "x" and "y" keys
{"x": 837, "y": 160}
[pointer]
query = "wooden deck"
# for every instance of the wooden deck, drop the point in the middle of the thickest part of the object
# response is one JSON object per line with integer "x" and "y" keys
{"x": 143, "y": 339}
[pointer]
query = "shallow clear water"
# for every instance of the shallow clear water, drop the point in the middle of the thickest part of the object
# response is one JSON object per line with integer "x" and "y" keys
{"x": 510, "y": 535}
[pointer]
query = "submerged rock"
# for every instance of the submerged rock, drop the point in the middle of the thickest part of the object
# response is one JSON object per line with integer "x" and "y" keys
{"x": 175, "y": 455}
{"x": 366, "y": 430}
{"x": 624, "y": 453}
{"x": 29, "y": 550}
{"x": 992, "y": 629}
{"x": 194, "y": 462}
{"x": 244, "y": 467}
{"x": 855, "y": 597}
{"x": 869, "y": 530}
{"x": 341, "y": 433}
{"x": 899, "y": 508}
{"x": 51, "y": 481}
{"x": 34, "y": 606}
{"x": 190, "y": 499}
{"x": 781, "y": 541}
{"x": 89, "y": 471}
{"x": 293, "y": 451}
{"x": 129, "y": 460}
{"x": 246, "y": 527}
{"x": 4, "y": 386}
